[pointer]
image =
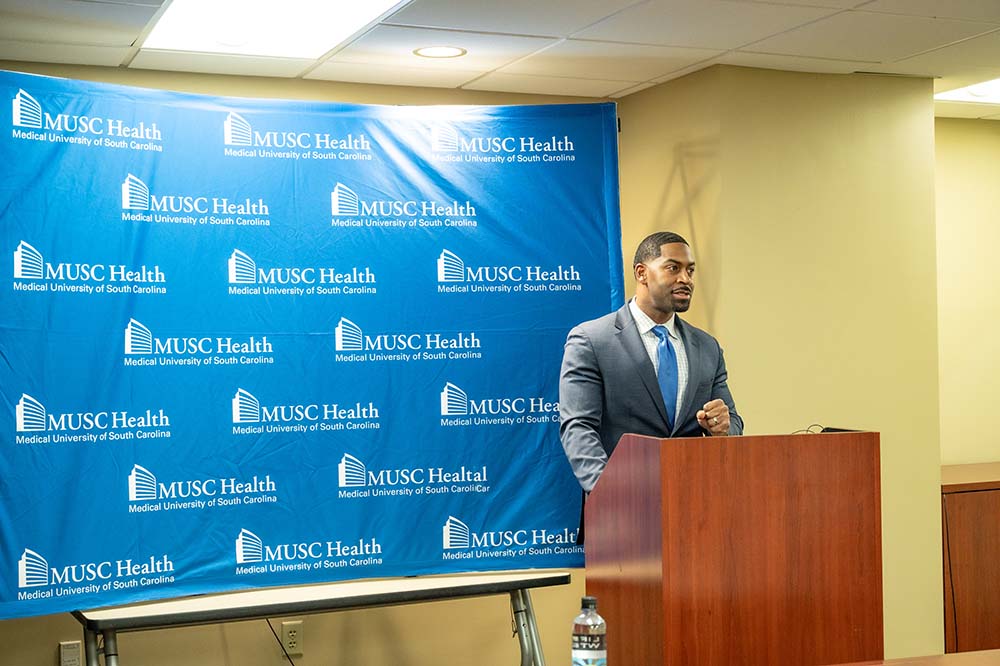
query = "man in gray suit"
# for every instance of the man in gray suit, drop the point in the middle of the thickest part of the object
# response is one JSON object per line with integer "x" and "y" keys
{"x": 641, "y": 369}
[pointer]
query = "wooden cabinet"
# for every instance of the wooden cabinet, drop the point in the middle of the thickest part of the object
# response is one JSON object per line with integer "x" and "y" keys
{"x": 970, "y": 521}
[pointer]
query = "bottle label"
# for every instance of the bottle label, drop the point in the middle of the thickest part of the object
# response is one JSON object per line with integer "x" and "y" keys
{"x": 590, "y": 650}
{"x": 590, "y": 642}
{"x": 590, "y": 658}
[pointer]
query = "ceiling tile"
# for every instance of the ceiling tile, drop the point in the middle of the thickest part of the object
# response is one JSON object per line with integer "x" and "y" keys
{"x": 558, "y": 18}
{"x": 100, "y": 56}
{"x": 982, "y": 51}
{"x": 633, "y": 89}
{"x": 391, "y": 75}
{"x": 794, "y": 63}
{"x": 869, "y": 36}
{"x": 834, "y": 4}
{"x": 608, "y": 60}
{"x": 547, "y": 85}
{"x": 712, "y": 24}
{"x": 683, "y": 72}
{"x": 215, "y": 63}
{"x": 65, "y": 21}
{"x": 971, "y": 10}
{"x": 393, "y": 45}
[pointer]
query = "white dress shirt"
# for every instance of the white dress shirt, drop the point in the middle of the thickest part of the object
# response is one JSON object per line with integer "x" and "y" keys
{"x": 651, "y": 342}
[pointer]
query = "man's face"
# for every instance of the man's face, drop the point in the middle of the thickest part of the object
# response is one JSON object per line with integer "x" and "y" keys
{"x": 669, "y": 278}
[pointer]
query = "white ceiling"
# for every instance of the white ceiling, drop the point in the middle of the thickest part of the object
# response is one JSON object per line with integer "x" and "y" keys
{"x": 591, "y": 48}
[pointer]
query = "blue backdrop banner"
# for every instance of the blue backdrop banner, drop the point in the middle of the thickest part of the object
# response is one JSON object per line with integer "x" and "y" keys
{"x": 256, "y": 342}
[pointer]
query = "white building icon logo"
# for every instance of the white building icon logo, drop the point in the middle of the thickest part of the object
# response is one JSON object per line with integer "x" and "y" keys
{"x": 141, "y": 485}
{"x": 249, "y": 548}
{"x": 454, "y": 401}
{"x": 444, "y": 139}
{"x": 351, "y": 472}
{"x": 455, "y": 534}
{"x": 242, "y": 269}
{"x": 343, "y": 201}
{"x": 27, "y": 112}
{"x": 246, "y": 408}
{"x": 451, "y": 268}
{"x": 135, "y": 194}
{"x": 138, "y": 338}
{"x": 32, "y": 570}
{"x": 30, "y": 414}
{"x": 28, "y": 263}
{"x": 237, "y": 130}
{"x": 348, "y": 335}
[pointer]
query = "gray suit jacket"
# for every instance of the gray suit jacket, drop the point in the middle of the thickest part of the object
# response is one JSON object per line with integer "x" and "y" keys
{"x": 608, "y": 388}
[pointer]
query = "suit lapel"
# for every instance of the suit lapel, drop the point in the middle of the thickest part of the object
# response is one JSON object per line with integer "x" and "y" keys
{"x": 628, "y": 334}
{"x": 692, "y": 350}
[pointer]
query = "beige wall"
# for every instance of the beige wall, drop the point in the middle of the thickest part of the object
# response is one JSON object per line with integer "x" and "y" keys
{"x": 810, "y": 201}
{"x": 670, "y": 175}
{"x": 968, "y": 174}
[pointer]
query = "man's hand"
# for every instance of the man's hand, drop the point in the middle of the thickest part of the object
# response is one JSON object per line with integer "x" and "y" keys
{"x": 714, "y": 418}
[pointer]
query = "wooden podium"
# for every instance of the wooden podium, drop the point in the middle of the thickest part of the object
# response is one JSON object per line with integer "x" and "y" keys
{"x": 739, "y": 550}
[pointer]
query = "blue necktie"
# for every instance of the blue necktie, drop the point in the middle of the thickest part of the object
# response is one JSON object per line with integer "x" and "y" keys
{"x": 667, "y": 372}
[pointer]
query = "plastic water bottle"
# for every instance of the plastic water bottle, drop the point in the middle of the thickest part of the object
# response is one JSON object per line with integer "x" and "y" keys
{"x": 590, "y": 647}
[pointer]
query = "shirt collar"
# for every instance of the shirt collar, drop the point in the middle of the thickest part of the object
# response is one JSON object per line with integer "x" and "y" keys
{"x": 645, "y": 324}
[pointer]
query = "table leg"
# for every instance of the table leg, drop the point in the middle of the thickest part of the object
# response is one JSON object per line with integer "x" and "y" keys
{"x": 536, "y": 640}
{"x": 90, "y": 647}
{"x": 521, "y": 628}
{"x": 110, "y": 647}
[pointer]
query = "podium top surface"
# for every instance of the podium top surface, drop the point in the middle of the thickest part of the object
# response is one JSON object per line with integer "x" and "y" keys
{"x": 985, "y": 658}
{"x": 303, "y": 599}
{"x": 736, "y": 439}
{"x": 965, "y": 478}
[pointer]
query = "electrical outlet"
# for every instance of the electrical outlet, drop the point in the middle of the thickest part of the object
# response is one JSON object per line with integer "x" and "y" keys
{"x": 291, "y": 636}
{"x": 69, "y": 653}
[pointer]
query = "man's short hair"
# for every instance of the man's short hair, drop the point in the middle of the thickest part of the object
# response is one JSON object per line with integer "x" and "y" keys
{"x": 649, "y": 248}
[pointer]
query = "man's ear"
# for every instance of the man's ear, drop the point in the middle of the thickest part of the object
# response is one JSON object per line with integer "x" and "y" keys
{"x": 640, "y": 273}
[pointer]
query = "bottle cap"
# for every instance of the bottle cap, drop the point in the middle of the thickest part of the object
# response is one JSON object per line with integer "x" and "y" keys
{"x": 589, "y": 602}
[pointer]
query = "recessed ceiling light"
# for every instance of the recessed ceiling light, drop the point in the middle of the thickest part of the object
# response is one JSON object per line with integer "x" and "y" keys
{"x": 987, "y": 92}
{"x": 286, "y": 29}
{"x": 440, "y": 52}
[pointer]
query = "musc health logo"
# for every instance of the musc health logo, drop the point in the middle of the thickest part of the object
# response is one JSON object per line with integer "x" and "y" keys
{"x": 351, "y": 210}
{"x": 193, "y": 350}
{"x": 456, "y": 535}
{"x": 455, "y": 276}
{"x": 352, "y": 473}
{"x": 31, "y": 416}
{"x": 251, "y": 417}
{"x": 34, "y": 571}
{"x": 27, "y": 115}
{"x": 246, "y": 277}
{"x": 39, "y": 275}
{"x": 136, "y": 197}
{"x": 27, "y": 112}
{"x": 254, "y": 556}
{"x": 459, "y": 147}
{"x": 350, "y": 338}
{"x": 289, "y": 144}
{"x": 458, "y": 409}
{"x": 195, "y": 493}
